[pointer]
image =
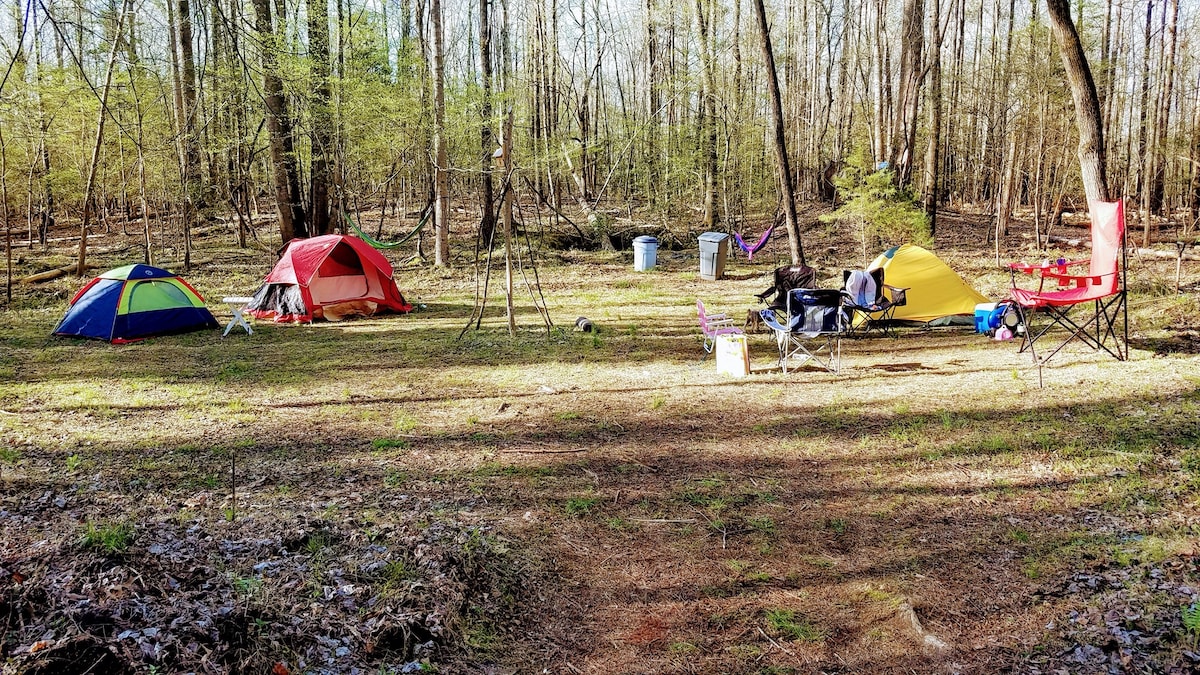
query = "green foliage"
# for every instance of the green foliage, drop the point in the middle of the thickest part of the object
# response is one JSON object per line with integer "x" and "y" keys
{"x": 390, "y": 444}
{"x": 838, "y": 526}
{"x": 107, "y": 537}
{"x": 792, "y": 626}
{"x": 1191, "y": 618}
{"x": 580, "y": 506}
{"x": 764, "y": 525}
{"x": 885, "y": 213}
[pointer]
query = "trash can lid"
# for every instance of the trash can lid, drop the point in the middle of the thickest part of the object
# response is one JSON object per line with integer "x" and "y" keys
{"x": 714, "y": 237}
{"x": 645, "y": 239}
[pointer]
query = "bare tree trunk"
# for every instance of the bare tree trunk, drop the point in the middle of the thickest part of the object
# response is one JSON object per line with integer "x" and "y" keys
{"x": 143, "y": 199}
{"x": 46, "y": 221}
{"x": 1145, "y": 150}
{"x": 279, "y": 127}
{"x": 441, "y": 211}
{"x": 7, "y": 225}
{"x": 1008, "y": 187}
{"x": 1193, "y": 192}
{"x": 1087, "y": 104}
{"x": 176, "y": 82}
{"x": 708, "y": 122}
{"x": 102, "y": 115}
{"x": 783, "y": 168}
{"x": 322, "y": 134}
{"x": 882, "y": 67}
{"x": 487, "y": 206}
{"x": 18, "y": 57}
{"x": 506, "y": 197}
{"x": 1164, "y": 105}
{"x": 191, "y": 146}
{"x": 904, "y": 120}
{"x": 653, "y": 100}
{"x": 932, "y": 159}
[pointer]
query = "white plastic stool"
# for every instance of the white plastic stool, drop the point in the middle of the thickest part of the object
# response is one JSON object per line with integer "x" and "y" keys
{"x": 238, "y": 305}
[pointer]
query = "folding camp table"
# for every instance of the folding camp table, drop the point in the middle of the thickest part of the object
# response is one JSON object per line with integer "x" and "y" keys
{"x": 237, "y": 304}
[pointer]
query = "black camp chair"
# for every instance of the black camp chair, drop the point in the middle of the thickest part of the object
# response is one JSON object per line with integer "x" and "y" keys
{"x": 810, "y": 328}
{"x": 870, "y": 302}
{"x": 785, "y": 279}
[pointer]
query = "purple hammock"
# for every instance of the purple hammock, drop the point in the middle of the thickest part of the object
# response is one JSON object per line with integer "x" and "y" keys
{"x": 752, "y": 249}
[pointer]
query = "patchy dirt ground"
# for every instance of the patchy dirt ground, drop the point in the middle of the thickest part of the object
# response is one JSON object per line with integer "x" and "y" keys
{"x": 379, "y": 495}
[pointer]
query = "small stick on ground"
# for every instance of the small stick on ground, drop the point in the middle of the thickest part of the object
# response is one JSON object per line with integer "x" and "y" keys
{"x": 544, "y": 452}
{"x": 664, "y": 520}
{"x": 785, "y": 649}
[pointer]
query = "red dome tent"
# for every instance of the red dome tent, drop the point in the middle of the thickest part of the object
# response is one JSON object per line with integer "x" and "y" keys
{"x": 330, "y": 276}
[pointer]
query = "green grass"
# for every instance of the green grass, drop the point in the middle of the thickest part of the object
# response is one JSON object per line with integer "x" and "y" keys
{"x": 107, "y": 537}
{"x": 792, "y": 626}
{"x": 764, "y": 525}
{"x": 1190, "y": 616}
{"x": 580, "y": 506}
{"x": 626, "y": 446}
{"x": 497, "y": 469}
{"x": 390, "y": 443}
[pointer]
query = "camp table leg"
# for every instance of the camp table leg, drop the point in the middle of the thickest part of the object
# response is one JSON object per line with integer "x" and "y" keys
{"x": 238, "y": 306}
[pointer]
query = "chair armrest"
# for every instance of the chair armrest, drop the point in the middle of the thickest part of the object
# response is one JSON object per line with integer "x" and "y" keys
{"x": 722, "y": 327}
{"x": 1079, "y": 280}
{"x": 899, "y": 296}
{"x": 1023, "y": 267}
{"x": 1039, "y": 268}
{"x": 772, "y": 320}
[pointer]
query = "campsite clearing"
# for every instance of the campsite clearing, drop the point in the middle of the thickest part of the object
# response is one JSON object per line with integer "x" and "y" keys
{"x": 377, "y": 493}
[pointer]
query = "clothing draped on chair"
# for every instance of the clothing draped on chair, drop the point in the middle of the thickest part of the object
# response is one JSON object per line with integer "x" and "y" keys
{"x": 870, "y": 302}
{"x": 1088, "y": 307}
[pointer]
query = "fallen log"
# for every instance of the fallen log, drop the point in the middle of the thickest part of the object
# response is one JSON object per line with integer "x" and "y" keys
{"x": 1148, "y": 252}
{"x": 57, "y": 272}
{"x": 52, "y": 274}
{"x": 29, "y": 243}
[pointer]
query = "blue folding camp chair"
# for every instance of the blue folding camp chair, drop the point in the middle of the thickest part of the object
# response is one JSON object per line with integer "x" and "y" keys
{"x": 810, "y": 328}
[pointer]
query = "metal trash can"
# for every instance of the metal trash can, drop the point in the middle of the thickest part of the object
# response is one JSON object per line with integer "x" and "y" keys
{"x": 714, "y": 249}
{"x": 645, "y": 253}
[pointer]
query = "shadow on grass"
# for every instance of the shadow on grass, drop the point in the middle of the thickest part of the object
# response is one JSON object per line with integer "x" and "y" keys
{"x": 819, "y": 509}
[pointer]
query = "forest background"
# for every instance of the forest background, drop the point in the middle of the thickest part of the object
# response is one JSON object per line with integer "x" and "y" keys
{"x": 167, "y": 115}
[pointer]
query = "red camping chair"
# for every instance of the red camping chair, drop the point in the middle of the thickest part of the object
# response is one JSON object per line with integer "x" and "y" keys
{"x": 1102, "y": 322}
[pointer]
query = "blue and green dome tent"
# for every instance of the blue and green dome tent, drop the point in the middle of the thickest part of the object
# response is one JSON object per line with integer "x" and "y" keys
{"x": 135, "y": 302}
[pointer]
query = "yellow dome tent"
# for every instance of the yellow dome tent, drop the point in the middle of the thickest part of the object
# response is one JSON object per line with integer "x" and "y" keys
{"x": 936, "y": 291}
